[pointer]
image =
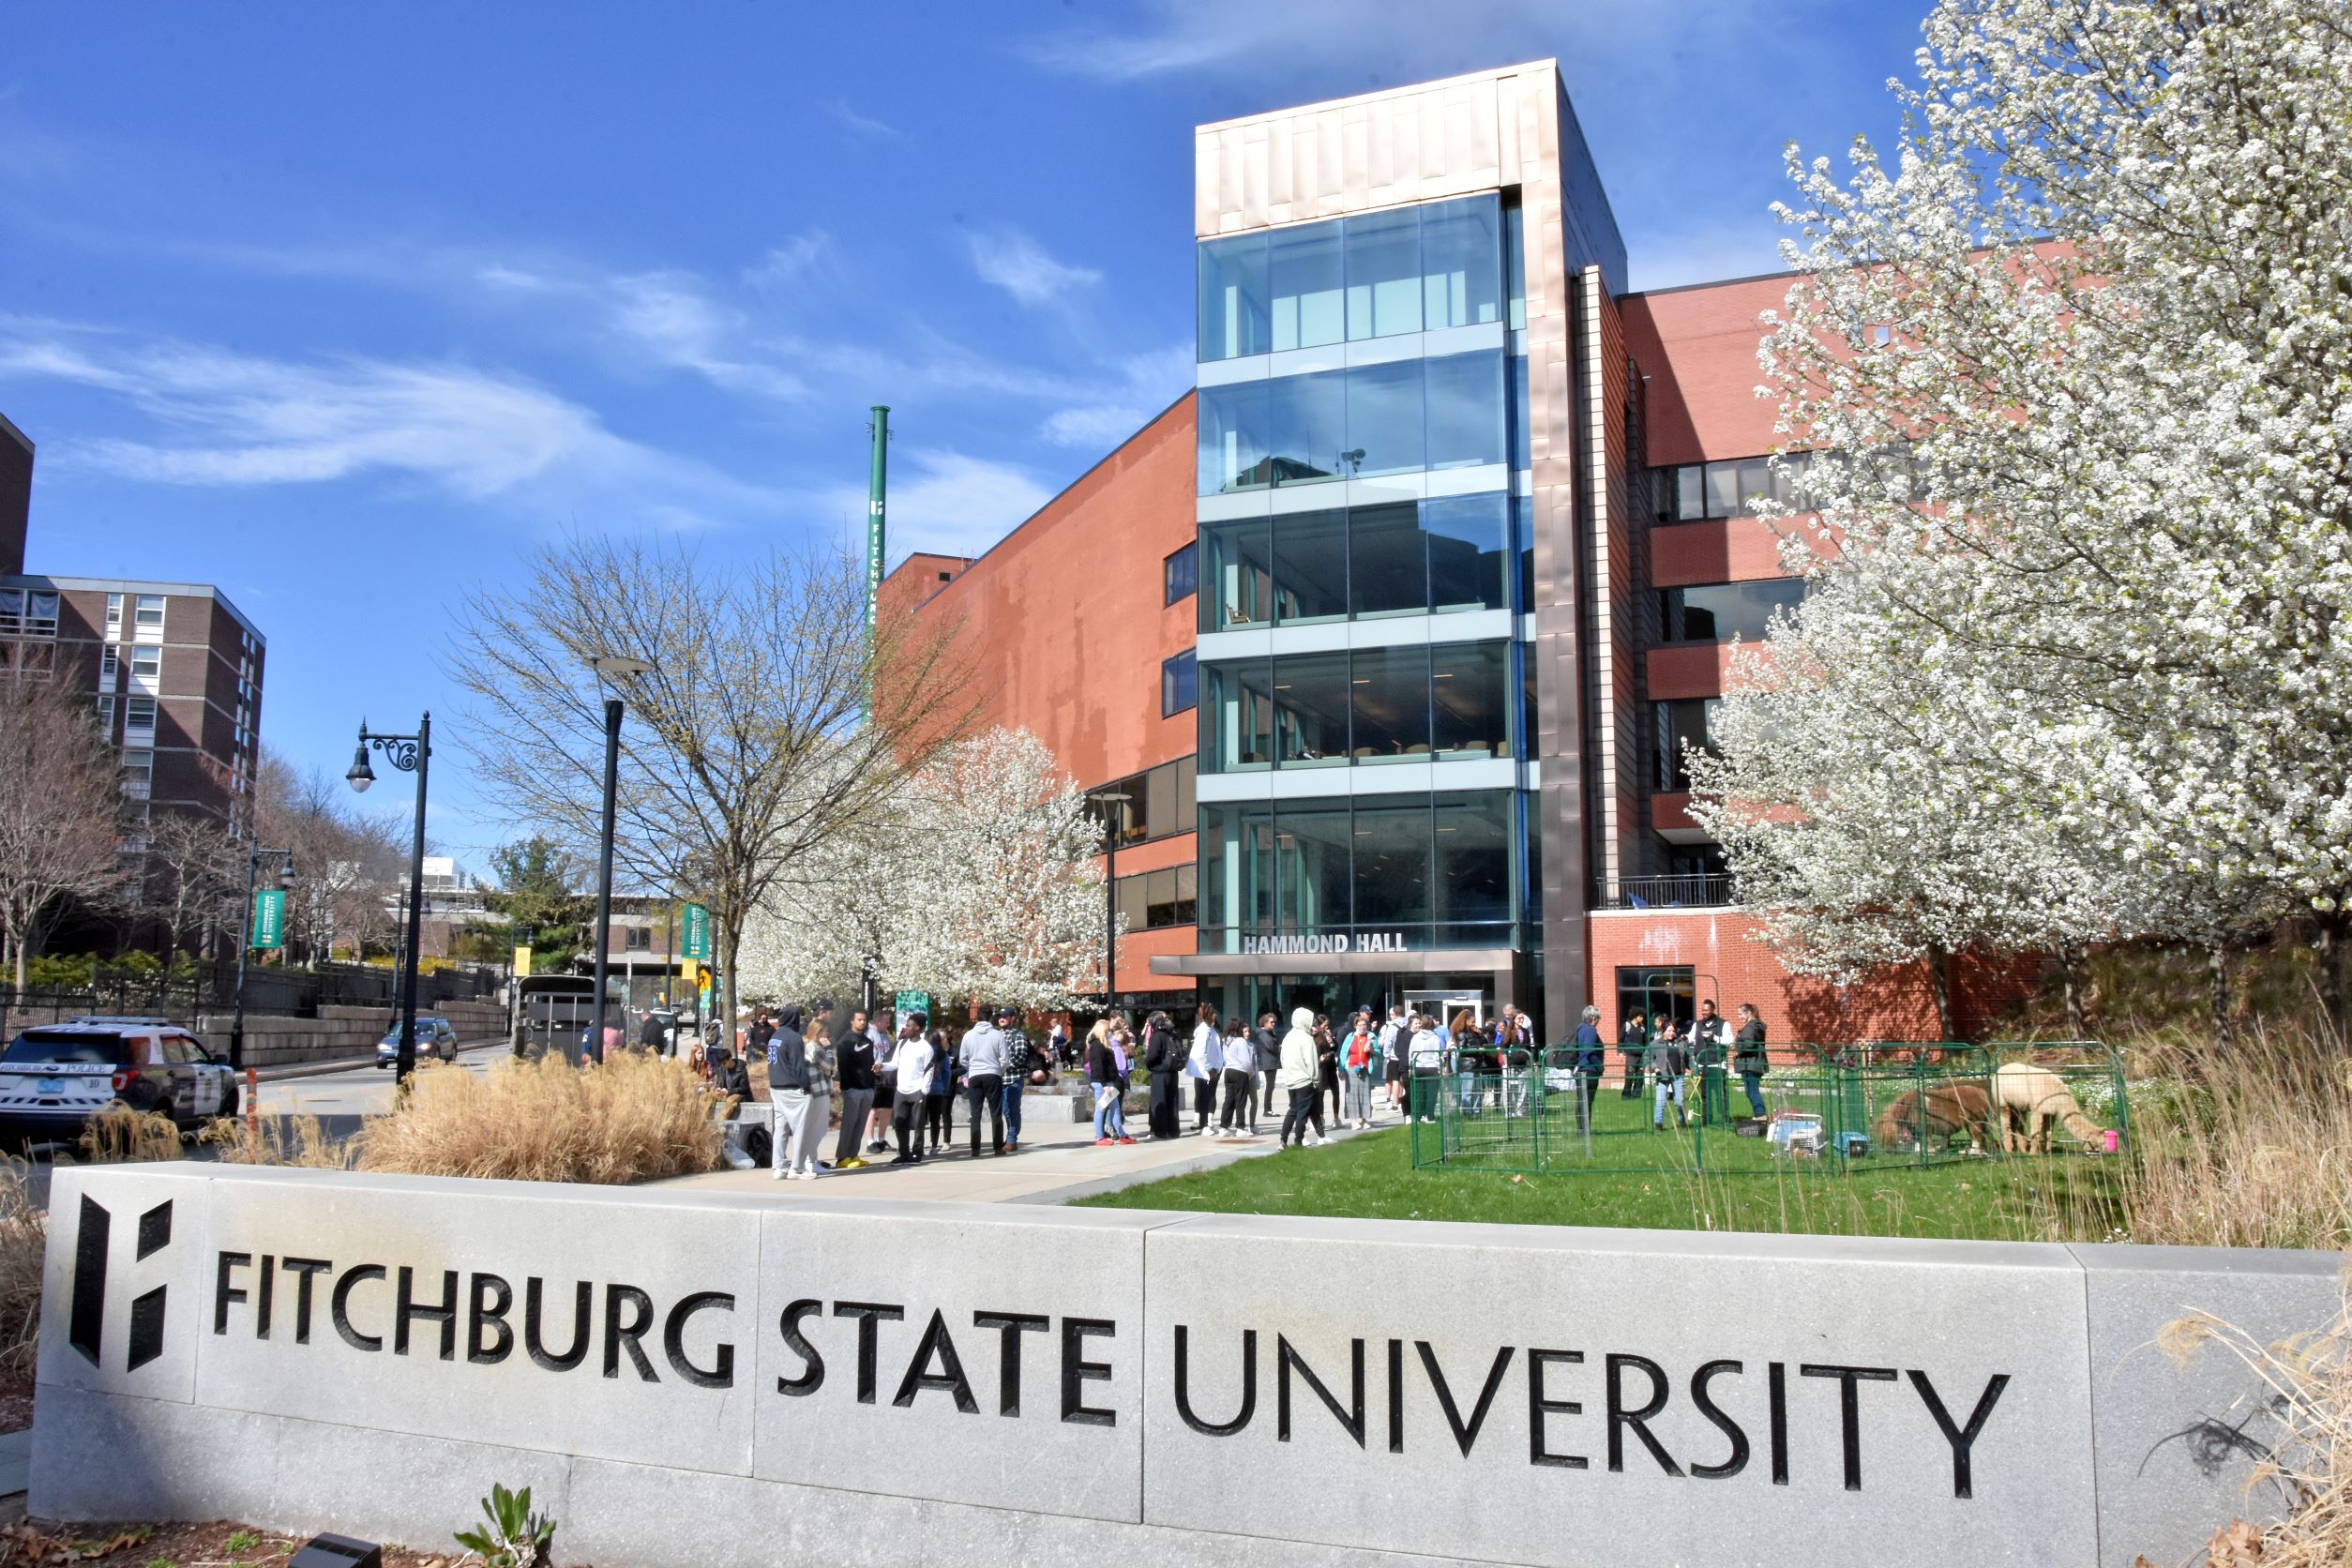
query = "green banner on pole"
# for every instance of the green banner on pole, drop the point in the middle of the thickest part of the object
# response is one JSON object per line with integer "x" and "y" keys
{"x": 695, "y": 933}
{"x": 269, "y": 919}
{"x": 911, "y": 1001}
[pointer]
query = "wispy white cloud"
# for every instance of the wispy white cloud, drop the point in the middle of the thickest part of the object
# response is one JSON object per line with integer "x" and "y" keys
{"x": 223, "y": 418}
{"x": 1147, "y": 383}
{"x": 1377, "y": 43}
{"x": 945, "y": 501}
{"x": 793, "y": 261}
{"x": 865, "y": 125}
{"x": 1019, "y": 265}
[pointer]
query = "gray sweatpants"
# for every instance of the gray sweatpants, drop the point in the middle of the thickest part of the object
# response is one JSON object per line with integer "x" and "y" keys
{"x": 856, "y": 1104}
{"x": 786, "y": 1106}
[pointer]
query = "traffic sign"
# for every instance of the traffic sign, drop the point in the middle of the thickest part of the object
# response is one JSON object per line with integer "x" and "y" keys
{"x": 694, "y": 945}
{"x": 269, "y": 919}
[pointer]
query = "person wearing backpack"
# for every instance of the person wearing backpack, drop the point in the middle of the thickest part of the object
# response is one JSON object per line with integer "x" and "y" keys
{"x": 788, "y": 1088}
{"x": 1357, "y": 1054}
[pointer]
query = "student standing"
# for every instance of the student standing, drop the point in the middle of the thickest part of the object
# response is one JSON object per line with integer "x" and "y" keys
{"x": 1358, "y": 1053}
{"x": 1163, "y": 1064}
{"x": 939, "y": 1098}
{"x": 1326, "y": 1066}
{"x": 788, "y": 1089}
{"x": 1749, "y": 1058}
{"x": 1204, "y": 1065}
{"x": 1269, "y": 1045}
{"x": 1125, "y": 1060}
{"x": 1591, "y": 1061}
{"x": 1673, "y": 1063}
{"x": 856, "y": 1055}
{"x": 1426, "y": 1049}
{"x": 816, "y": 1110}
{"x": 1711, "y": 1049}
{"x": 1241, "y": 1081}
{"x": 1021, "y": 1060}
{"x": 1633, "y": 1042}
{"x": 881, "y": 1032}
{"x": 1393, "y": 1068}
{"x": 984, "y": 1082}
{"x": 910, "y": 1078}
{"x": 1302, "y": 1077}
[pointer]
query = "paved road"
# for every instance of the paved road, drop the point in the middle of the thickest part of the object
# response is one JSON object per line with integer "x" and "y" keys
{"x": 363, "y": 1091}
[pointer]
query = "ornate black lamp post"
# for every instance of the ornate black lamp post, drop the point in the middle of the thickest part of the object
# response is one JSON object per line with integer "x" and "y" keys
{"x": 409, "y": 754}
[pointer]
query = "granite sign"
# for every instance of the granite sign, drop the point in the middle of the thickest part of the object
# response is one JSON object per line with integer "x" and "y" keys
{"x": 1362, "y": 1387}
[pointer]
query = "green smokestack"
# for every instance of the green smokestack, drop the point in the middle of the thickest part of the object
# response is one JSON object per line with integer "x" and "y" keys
{"x": 875, "y": 532}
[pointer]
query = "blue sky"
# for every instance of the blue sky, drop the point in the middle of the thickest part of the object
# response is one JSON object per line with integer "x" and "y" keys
{"x": 345, "y": 308}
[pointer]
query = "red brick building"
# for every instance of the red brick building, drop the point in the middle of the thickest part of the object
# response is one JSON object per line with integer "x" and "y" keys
{"x": 1393, "y": 631}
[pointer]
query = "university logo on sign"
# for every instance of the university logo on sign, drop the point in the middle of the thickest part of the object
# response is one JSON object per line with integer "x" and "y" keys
{"x": 87, "y": 1317}
{"x": 694, "y": 926}
{"x": 269, "y": 919}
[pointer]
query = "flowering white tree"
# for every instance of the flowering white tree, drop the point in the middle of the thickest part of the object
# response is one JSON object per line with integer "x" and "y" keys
{"x": 976, "y": 882}
{"x": 2082, "y": 364}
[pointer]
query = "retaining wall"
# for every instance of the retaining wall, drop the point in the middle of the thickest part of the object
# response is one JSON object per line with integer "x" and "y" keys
{"x": 274, "y": 1041}
{"x": 720, "y": 1380}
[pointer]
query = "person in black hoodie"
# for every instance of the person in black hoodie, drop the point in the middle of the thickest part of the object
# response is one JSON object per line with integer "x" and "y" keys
{"x": 1163, "y": 1059}
{"x": 855, "y": 1054}
{"x": 1269, "y": 1046}
{"x": 788, "y": 1087}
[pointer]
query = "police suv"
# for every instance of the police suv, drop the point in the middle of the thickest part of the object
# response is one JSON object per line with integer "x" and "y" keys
{"x": 54, "y": 1077}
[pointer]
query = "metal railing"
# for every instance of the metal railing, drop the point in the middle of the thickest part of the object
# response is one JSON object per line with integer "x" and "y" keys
{"x": 1688, "y": 890}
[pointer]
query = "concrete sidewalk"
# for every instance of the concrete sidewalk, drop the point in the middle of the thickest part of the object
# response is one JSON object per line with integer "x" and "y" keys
{"x": 1056, "y": 1163}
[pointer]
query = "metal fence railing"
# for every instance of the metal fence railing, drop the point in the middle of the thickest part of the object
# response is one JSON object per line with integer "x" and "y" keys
{"x": 1904, "y": 1103}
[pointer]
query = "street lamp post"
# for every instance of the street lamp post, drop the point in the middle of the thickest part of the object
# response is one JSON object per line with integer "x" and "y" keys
{"x": 618, "y": 668}
{"x": 1113, "y": 800}
{"x": 245, "y": 943}
{"x": 408, "y": 754}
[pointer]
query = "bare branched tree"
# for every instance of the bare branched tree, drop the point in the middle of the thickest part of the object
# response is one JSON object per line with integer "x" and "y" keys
{"x": 194, "y": 879}
{"x": 750, "y": 747}
{"x": 61, "y": 812}
{"x": 348, "y": 862}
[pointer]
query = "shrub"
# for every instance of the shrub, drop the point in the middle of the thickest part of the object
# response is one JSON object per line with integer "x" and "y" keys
{"x": 119, "y": 1136}
{"x": 23, "y": 1242}
{"x": 288, "y": 1140}
{"x": 633, "y": 1118}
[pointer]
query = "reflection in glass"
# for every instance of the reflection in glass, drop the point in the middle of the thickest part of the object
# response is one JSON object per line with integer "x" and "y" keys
{"x": 1310, "y": 710}
{"x": 1719, "y": 611}
{"x": 1233, "y": 316}
{"x": 1469, "y": 700}
{"x": 1304, "y": 285}
{"x": 1472, "y": 837}
{"x": 1392, "y": 864}
{"x": 1237, "y": 555}
{"x": 1384, "y": 274}
{"x": 1520, "y": 455}
{"x": 1461, "y": 263}
{"x": 1391, "y": 710}
{"x": 1237, "y": 867}
{"x": 1308, "y": 418}
{"x": 1387, "y": 574}
{"x": 1236, "y": 716}
{"x": 1233, "y": 438}
{"x": 1385, "y": 419}
{"x": 1465, "y": 398}
{"x": 1310, "y": 567}
{"x": 1469, "y": 553}
{"x": 1523, "y": 535}
{"x": 1312, "y": 846}
{"x": 1514, "y": 266}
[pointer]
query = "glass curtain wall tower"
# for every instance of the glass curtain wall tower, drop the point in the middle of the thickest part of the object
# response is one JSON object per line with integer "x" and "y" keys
{"x": 1395, "y": 704}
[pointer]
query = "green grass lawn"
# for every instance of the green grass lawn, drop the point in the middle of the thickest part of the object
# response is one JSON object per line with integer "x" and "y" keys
{"x": 1372, "y": 1176}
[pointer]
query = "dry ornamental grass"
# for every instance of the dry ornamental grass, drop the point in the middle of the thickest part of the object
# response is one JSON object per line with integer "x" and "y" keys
{"x": 634, "y": 1119}
{"x": 23, "y": 1242}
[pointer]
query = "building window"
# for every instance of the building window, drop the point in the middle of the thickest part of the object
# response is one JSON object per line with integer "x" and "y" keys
{"x": 1727, "y": 488}
{"x": 139, "y": 720}
{"x": 148, "y": 618}
{"x": 1717, "y": 613}
{"x": 1670, "y": 989}
{"x": 1160, "y": 802}
{"x": 1401, "y": 558}
{"x": 1154, "y": 900}
{"x": 637, "y": 939}
{"x": 138, "y": 772}
{"x": 1366, "y": 420}
{"x": 146, "y": 666}
{"x": 27, "y": 612}
{"x": 1179, "y": 684}
{"x": 1412, "y": 269}
{"x": 1682, "y": 727}
{"x": 1181, "y": 572}
{"x": 1415, "y": 703}
{"x": 113, "y": 617}
{"x": 110, "y": 669}
{"x": 106, "y": 718}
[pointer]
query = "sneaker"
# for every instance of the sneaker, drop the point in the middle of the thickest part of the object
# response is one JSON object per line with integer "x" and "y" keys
{"x": 1125, "y": 1140}
{"x": 878, "y": 1147}
{"x": 1009, "y": 1146}
{"x": 774, "y": 1174}
{"x": 855, "y": 1162}
{"x": 1106, "y": 1142}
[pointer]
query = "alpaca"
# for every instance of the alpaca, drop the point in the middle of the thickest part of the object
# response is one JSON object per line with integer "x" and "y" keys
{"x": 1946, "y": 1108}
{"x": 2032, "y": 1099}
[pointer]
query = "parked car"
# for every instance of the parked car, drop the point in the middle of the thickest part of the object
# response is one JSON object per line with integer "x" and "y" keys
{"x": 54, "y": 1077}
{"x": 435, "y": 1038}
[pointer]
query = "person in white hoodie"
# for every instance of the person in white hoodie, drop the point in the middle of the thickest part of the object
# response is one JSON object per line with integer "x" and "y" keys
{"x": 1303, "y": 1079}
{"x": 1205, "y": 1065}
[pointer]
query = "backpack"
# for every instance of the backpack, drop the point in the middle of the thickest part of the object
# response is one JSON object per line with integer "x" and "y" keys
{"x": 757, "y": 1145}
